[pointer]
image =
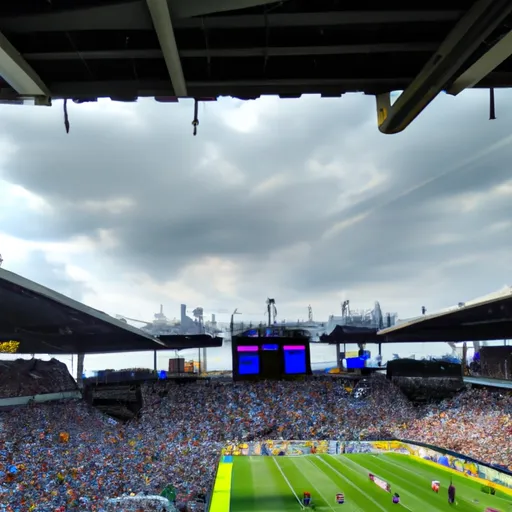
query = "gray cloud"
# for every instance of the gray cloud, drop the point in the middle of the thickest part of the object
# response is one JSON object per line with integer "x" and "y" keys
{"x": 405, "y": 206}
{"x": 36, "y": 267}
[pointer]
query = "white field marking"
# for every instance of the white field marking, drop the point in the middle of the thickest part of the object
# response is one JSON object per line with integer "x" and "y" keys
{"x": 320, "y": 494}
{"x": 367, "y": 470}
{"x": 356, "y": 509}
{"x": 354, "y": 486}
{"x": 288, "y": 482}
{"x": 398, "y": 465}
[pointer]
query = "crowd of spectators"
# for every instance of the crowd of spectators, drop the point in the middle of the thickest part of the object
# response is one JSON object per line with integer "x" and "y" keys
{"x": 28, "y": 377}
{"x": 69, "y": 455}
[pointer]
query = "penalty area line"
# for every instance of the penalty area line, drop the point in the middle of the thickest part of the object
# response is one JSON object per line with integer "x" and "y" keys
{"x": 314, "y": 488}
{"x": 288, "y": 482}
{"x": 349, "y": 482}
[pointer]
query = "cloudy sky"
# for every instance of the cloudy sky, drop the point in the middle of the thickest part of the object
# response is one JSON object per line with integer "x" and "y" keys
{"x": 302, "y": 200}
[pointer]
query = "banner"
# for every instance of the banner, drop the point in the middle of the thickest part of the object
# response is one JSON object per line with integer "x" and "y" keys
{"x": 375, "y": 447}
{"x": 277, "y": 448}
{"x": 147, "y": 503}
{"x": 379, "y": 482}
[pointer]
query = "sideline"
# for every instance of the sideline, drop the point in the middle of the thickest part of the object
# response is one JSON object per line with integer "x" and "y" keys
{"x": 319, "y": 493}
{"x": 367, "y": 471}
{"x": 221, "y": 495}
{"x": 288, "y": 482}
{"x": 349, "y": 482}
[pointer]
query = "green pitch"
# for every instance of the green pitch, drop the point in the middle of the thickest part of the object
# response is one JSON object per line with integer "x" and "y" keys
{"x": 276, "y": 484}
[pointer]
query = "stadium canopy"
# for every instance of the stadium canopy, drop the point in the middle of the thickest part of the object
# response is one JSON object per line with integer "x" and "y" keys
{"x": 203, "y": 49}
{"x": 350, "y": 334}
{"x": 43, "y": 321}
{"x": 487, "y": 318}
{"x": 190, "y": 341}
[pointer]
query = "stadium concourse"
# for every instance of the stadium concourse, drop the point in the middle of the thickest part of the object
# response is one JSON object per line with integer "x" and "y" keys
{"x": 70, "y": 456}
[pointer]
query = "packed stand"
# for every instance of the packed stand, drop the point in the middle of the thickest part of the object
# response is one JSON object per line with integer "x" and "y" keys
{"x": 477, "y": 423}
{"x": 29, "y": 377}
{"x": 69, "y": 455}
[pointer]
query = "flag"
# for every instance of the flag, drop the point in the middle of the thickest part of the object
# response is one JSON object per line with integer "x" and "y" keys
{"x": 170, "y": 493}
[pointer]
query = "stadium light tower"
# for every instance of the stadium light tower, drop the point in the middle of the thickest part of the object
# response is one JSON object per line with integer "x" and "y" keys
{"x": 232, "y": 323}
{"x": 272, "y": 311}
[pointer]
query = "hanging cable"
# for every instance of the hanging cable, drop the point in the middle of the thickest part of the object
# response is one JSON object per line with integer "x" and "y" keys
{"x": 195, "y": 122}
{"x": 66, "y": 117}
{"x": 492, "y": 105}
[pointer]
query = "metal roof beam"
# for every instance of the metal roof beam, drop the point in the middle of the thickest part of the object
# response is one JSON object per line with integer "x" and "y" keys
{"x": 134, "y": 16}
{"x": 317, "y": 19}
{"x": 16, "y": 71}
{"x": 462, "y": 42}
{"x": 500, "y": 52}
{"x": 253, "y": 88}
{"x": 286, "y": 51}
{"x": 128, "y": 90}
{"x": 126, "y": 16}
{"x": 161, "y": 17}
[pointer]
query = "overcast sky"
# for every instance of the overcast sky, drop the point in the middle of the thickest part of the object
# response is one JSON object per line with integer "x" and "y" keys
{"x": 301, "y": 200}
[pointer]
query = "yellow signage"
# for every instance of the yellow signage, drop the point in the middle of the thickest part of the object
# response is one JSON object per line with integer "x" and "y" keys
{"x": 9, "y": 347}
{"x": 382, "y": 115}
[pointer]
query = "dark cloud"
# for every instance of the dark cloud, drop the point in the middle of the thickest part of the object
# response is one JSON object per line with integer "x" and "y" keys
{"x": 313, "y": 200}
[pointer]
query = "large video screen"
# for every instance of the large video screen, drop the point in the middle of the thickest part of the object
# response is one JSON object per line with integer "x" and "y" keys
{"x": 269, "y": 358}
{"x": 294, "y": 359}
{"x": 249, "y": 364}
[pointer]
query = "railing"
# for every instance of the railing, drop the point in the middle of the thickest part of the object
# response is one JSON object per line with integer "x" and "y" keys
{"x": 134, "y": 377}
{"x": 47, "y": 397}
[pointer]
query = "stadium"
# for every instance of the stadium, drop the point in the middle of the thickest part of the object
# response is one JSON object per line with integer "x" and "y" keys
{"x": 273, "y": 437}
{"x": 222, "y": 446}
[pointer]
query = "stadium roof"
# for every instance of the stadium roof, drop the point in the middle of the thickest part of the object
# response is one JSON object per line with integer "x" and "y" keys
{"x": 488, "y": 318}
{"x": 185, "y": 342}
{"x": 46, "y": 322}
{"x": 202, "y": 49}
{"x": 350, "y": 334}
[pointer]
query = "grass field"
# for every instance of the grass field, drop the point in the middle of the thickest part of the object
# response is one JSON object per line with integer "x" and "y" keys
{"x": 276, "y": 484}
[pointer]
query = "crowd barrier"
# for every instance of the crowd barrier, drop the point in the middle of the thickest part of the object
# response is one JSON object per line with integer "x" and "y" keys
{"x": 446, "y": 458}
{"x": 47, "y": 397}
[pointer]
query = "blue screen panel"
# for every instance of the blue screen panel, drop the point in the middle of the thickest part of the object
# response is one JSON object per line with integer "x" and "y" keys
{"x": 249, "y": 364}
{"x": 270, "y": 347}
{"x": 353, "y": 363}
{"x": 294, "y": 361}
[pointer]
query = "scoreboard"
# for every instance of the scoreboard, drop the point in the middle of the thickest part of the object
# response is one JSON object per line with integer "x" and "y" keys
{"x": 270, "y": 354}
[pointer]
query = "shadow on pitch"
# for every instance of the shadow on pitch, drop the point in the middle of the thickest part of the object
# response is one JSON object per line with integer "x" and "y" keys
{"x": 262, "y": 503}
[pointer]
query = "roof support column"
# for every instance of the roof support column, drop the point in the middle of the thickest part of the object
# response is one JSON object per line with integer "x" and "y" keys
{"x": 161, "y": 17}
{"x": 462, "y": 42}
{"x": 16, "y": 71}
{"x": 500, "y": 52}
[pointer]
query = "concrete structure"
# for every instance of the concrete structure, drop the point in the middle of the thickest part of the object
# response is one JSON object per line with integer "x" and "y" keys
{"x": 170, "y": 49}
